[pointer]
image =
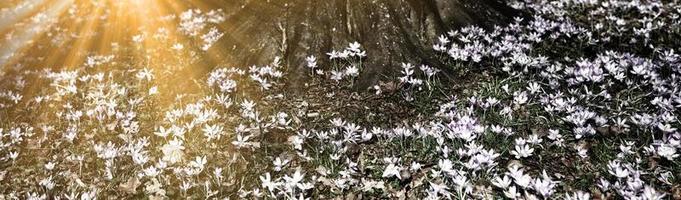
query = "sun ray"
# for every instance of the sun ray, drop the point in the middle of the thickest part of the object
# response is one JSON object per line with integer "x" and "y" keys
{"x": 38, "y": 24}
{"x": 19, "y": 12}
{"x": 98, "y": 28}
{"x": 78, "y": 51}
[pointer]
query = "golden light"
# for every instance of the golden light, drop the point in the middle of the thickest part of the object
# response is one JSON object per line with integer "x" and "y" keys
{"x": 20, "y": 27}
{"x": 134, "y": 2}
{"x": 67, "y": 34}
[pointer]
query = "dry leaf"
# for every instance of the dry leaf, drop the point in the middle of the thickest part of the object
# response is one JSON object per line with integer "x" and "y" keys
{"x": 130, "y": 186}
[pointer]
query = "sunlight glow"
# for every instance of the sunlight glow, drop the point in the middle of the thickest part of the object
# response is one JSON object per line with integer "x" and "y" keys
{"x": 25, "y": 34}
{"x": 167, "y": 37}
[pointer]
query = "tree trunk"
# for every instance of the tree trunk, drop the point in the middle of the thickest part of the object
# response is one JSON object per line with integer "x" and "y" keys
{"x": 391, "y": 31}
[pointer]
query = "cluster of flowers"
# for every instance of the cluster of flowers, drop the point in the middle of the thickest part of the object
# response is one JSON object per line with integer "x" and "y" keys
{"x": 101, "y": 126}
{"x": 194, "y": 22}
{"x": 625, "y": 93}
{"x": 347, "y": 63}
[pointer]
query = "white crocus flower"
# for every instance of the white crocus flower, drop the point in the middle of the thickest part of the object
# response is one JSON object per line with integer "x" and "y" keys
{"x": 511, "y": 193}
{"x": 391, "y": 170}
{"x": 502, "y": 183}
{"x": 522, "y": 151}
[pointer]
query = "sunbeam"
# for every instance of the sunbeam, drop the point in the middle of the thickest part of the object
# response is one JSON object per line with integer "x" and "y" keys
{"x": 23, "y": 34}
{"x": 21, "y": 11}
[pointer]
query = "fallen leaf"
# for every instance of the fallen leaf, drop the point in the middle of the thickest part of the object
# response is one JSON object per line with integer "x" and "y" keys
{"x": 130, "y": 186}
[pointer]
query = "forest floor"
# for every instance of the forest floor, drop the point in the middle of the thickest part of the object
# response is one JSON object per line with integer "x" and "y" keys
{"x": 580, "y": 100}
